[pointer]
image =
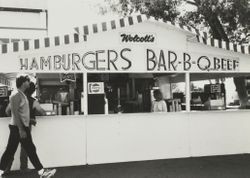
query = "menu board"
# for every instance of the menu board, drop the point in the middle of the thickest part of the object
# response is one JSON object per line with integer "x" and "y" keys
{"x": 68, "y": 77}
{"x": 216, "y": 88}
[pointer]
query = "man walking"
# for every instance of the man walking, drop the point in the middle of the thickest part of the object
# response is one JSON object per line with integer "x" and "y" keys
{"x": 20, "y": 132}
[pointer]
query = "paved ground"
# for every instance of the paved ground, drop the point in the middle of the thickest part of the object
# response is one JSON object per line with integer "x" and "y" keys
{"x": 233, "y": 166}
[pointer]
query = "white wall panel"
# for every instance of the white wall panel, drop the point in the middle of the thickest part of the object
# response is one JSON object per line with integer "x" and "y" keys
{"x": 133, "y": 137}
{"x": 60, "y": 141}
{"x": 121, "y": 138}
{"x": 219, "y": 133}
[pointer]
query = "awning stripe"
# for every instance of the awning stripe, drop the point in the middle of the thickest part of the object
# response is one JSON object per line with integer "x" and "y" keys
{"x": 104, "y": 26}
{"x": 36, "y": 44}
{"x": 95, "y": 29}
{"x": 130, "y": 20}
{"x": 86, "y": 29}
{"x": 76, "y": 38}
{"x": 26, "y": 45}
{"x": 122, "y": 23}
{"x": 15, "y": 46}
{"x": 47, "y": 42}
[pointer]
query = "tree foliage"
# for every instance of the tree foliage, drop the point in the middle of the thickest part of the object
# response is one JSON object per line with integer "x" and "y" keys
{"x": 233, "y": 15}
{"x": 165, "y": 9}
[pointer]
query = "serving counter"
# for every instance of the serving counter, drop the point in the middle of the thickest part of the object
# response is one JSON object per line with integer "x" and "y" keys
{"x": 94, "y": 139}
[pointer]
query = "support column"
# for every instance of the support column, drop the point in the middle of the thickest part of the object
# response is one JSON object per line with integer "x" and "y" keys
{"x": 188, "y": 92}
{"x": 133, "y": 88}
{"x": 85, "y": 93}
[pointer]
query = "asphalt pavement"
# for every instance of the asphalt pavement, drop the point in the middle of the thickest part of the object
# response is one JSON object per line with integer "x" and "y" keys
{"x": 232, "y": 166}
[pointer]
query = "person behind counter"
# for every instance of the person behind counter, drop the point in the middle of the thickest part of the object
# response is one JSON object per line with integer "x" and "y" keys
{"x": 62, "y": 100}
{"x": 158, "y": 105}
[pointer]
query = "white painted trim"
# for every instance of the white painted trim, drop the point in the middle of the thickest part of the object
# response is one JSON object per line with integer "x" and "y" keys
{"x": 187, "y": 88}
{"x": 85, "y": 93}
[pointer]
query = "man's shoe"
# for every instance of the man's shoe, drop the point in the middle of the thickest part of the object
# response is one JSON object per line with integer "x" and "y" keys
{"x": 47, "y": 173}
{"x": 1, "y": 176}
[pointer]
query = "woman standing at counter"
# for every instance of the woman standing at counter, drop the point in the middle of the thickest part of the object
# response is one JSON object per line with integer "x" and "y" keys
{"x": 159, "y": 105}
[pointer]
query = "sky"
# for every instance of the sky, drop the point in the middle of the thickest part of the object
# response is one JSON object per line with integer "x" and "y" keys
{"x": 64, "y": 15}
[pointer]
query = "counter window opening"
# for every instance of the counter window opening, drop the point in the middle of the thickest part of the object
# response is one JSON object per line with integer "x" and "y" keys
{"x": 114, "y": 93}
{"x": 219, "y": 91}
{"x": 57, "y": 93}
{"x": 134, "y": 92}
{"x": 60, "y": 93}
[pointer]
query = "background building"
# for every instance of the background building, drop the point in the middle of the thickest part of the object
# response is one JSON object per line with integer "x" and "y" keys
{"x": 22, "y": 20}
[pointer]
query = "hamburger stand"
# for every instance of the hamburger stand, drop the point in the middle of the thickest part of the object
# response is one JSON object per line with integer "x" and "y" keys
{"x": 141, "y": 48}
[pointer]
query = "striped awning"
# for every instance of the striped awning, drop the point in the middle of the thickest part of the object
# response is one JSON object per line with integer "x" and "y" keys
{"x": 201, "y": 37}
{"x": 245, "y": 49}
{"x": 45, "y": 42}
{"x": 110, "y": 25}
{"x": 82, "y": 33}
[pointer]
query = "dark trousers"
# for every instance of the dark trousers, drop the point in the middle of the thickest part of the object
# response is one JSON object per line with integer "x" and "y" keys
{"x": 27, "y": 144}
{"x": 24, "y": 157}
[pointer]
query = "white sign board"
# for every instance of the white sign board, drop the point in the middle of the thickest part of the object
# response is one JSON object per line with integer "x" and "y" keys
{"x": 127, "y": 59}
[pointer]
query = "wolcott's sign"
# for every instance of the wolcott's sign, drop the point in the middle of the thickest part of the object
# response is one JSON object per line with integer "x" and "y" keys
{"x": 137, "y": 38}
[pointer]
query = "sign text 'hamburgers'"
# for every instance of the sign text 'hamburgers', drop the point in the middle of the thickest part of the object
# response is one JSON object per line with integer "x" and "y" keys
{"x": 129, "y": 60}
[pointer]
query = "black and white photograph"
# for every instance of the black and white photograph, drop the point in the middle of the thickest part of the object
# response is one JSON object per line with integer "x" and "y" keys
{"x": 124, "y": 88}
